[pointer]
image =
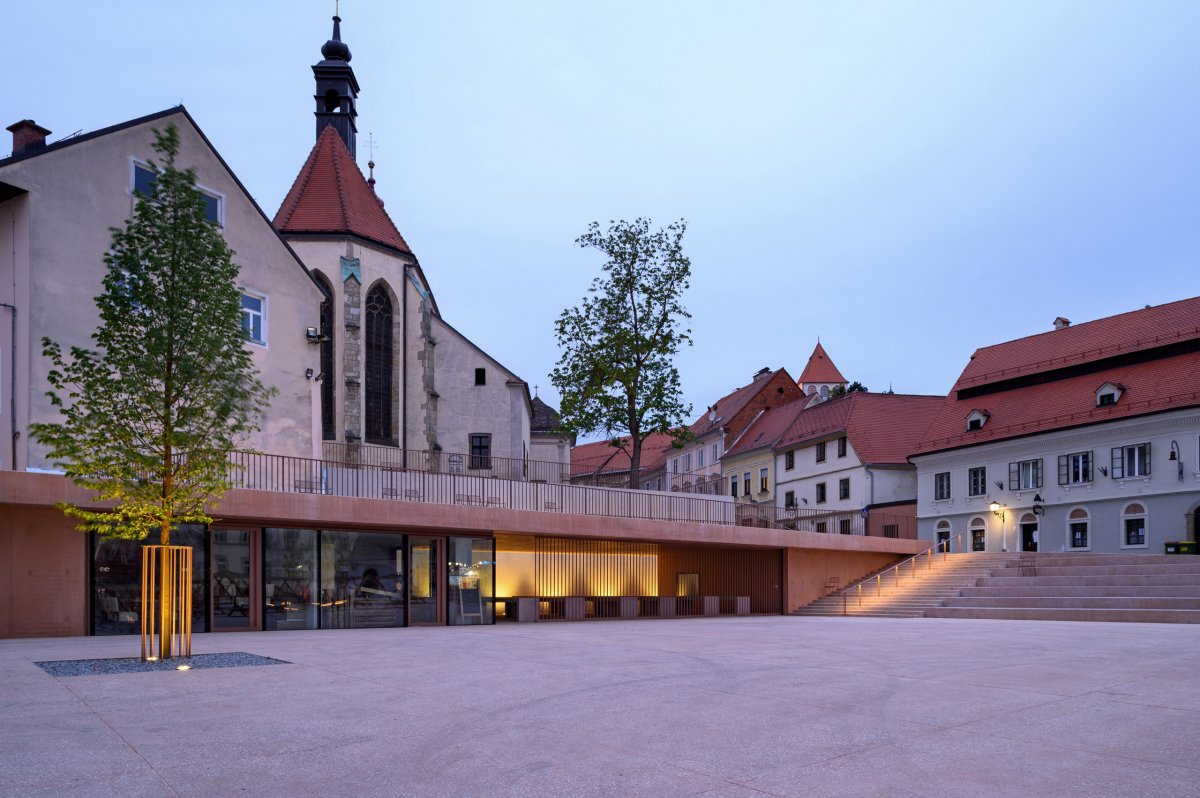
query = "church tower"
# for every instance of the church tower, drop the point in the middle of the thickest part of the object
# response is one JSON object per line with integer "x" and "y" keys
{"x": 337, "y": 89}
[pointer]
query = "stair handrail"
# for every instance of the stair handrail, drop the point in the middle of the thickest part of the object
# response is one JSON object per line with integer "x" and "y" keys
{"x": 943, "y": 547}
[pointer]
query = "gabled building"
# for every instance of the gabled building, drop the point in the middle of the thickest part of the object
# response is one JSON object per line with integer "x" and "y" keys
{"x": 748, "y": 466}
{"x": 60, "y": 201}
{"x": 1082, "y": 438}
{"x": 851, "y": 454}
{"x": 603, "y": 463}
{"x": 820, "y": 375}
{"x": 395, "y": 375}
{"x": 696, "y": 466}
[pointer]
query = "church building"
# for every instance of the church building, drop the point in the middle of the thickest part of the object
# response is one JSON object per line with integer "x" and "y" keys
{"x": 395, "y": 376}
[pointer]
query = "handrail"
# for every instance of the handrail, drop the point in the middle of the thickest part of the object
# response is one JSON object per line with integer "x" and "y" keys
{"x": 945, "y": 545}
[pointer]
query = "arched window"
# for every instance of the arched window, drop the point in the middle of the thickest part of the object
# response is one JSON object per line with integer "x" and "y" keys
{"x": 378, "y": 368}
{"x": 978, "y": 534}
{"x": 1077, "y": 529}
{"x": 824, "y": 391}
{"x": 1133, "y": 526}
{"x": 328, "y": 377}
{"x": 943, "y": 535}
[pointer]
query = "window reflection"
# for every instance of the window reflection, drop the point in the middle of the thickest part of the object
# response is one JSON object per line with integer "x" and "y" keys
{"x": 117, "y": 581}
{"x": 471, "y": 580}
{"x": 290, "y": 589}
{"x": 362, "y": 580}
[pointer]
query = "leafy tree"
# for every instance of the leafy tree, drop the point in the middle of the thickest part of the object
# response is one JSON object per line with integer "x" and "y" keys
{"x": 617, "y": 373}
{"x": 149, "y": 417}
{"x": 838, "y": 390}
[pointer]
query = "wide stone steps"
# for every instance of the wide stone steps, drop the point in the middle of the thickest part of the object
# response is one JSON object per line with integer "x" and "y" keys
{"x": 919, "y": 588}
{"x": 1062, "y": 614}
{"x": 1083, "y": 587}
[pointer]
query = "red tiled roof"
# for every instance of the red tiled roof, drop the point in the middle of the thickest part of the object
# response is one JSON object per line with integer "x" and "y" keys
{"x": 728, "y": 406}
{"x": 820, "y": 368}
{"x": 1083, "y": 343}
{"x": 1150, "y": 387}
{"x": 331, "y": 195}
{"x": 767, "y": 427}
{"x": 602, "y": 456}
{"x": 883, "y": 428}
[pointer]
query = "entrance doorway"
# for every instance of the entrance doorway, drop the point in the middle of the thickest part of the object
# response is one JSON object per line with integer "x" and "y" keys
{"x": 426, "y": 599}
{"x": 236, "y": 589}
{"x": 1029, "y": 532}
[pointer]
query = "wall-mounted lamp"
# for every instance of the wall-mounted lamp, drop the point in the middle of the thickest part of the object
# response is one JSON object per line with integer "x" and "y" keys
{"x": 314, "y": 336}
{"x": 1103, "y": 470}
{"x": 1175, "y": 455}
{"x": 998, "y": 511}
{"x": 308, "y": 374}
{"x": 999, "y": 486}
{"x": 1038, "y": 505}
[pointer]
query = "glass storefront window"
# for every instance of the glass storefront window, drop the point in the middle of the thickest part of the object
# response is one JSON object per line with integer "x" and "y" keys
{"x": 470, "y": 583}
{"x": 362, "y": 580}
{"x": 290, "y": 583}
{"x": 232, "y": 578}
{"x": 117, "y": 581}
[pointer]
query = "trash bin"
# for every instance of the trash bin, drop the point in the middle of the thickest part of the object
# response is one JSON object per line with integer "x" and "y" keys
{"x": 1181, "y": 547}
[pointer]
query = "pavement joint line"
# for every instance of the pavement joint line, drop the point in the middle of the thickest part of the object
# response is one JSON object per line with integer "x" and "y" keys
{"x": 1081, "y": 750}
{"x": 125, "y": 740}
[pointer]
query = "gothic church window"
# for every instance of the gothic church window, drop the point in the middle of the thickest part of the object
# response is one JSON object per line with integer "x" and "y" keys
{"x": 379, "y": 367}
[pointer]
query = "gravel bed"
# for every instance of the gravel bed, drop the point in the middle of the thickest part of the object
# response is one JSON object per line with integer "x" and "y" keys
{"x": 98, "y": 667}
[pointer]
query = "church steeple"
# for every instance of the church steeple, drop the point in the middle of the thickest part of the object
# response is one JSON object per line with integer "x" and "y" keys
{"x": 337, "y": 89}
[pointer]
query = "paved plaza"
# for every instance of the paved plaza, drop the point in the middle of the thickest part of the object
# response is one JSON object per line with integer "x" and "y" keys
{"x": 715, "y": 707}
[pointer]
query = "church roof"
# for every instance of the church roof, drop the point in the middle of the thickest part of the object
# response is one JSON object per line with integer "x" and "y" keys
{"x": 545, "y": 418}
{"x": 331, "y": 195}
{"x": 820, "y": 368}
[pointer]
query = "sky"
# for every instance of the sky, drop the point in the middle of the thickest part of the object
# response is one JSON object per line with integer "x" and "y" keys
{"x": 905, "y": 181}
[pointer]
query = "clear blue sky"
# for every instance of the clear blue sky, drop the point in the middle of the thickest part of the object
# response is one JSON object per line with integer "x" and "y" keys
{"x": 909, "y": 181}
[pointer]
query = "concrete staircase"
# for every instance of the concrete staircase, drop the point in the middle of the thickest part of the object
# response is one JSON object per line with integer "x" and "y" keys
{"x": 1083, "y": 587}
{"x": 923, "y": 584}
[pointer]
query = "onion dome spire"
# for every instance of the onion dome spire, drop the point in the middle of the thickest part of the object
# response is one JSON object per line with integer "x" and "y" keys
{"x": 335, "y": 49}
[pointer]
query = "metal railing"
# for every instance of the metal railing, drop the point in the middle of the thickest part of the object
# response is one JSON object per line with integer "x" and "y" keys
{"x": 285, "y": 474}
{"x": 913, "y": 563}
{"x": 439, "y": 462}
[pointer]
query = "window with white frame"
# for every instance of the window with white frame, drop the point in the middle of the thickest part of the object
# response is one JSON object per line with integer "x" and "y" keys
{"x": 1131, "y": 461}
{"x": 1077, "y": 529}
{"x": 789, "y": 460}
{"x": 978, "y": 534}
{"x": 762, "y": 480}
{"x": 941, "y": 486}
{"x": 820, "y": 455}
{"x": 1025, "y": 475}
{"x": 1108, "y": 394}
{"x": 1075, "y": 468}
{"x": 716, "y": 454}
{"x": 144, "y": 180}
{"x": 977, "y": 481}
{"x": 700, "y": 458}
{"x": 254, "y": 317}
{"x": 1133, "y": 525}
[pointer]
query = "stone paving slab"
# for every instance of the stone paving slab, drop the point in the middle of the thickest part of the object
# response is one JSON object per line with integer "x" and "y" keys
{"x": 715, "y": 707}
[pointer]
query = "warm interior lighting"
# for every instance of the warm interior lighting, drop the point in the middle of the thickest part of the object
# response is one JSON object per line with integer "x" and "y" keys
{"x": 151, "y": 659}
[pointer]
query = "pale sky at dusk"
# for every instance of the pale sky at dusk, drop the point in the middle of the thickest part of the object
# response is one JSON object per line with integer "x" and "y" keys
{"x": 909, "y": 181}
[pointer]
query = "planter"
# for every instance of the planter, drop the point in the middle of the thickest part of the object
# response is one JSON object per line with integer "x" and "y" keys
{"x": 1181, "y": 547}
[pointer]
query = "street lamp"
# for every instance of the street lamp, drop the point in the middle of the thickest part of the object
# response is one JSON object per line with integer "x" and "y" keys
{"x": 998, "y": 511}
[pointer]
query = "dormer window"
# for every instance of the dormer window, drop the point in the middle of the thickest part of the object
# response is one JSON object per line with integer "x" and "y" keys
{"x": 1108, "y": 394}
{"x": 976, "y": 419}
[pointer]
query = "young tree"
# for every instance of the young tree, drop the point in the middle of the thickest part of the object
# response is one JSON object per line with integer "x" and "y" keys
{"x": 149, "y": 417}
{"x": 617, "y": 373}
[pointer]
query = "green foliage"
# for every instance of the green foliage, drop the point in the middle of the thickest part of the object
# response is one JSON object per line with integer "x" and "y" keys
{"x": 617, "y": 373}
{"x": 838, "y": 390}
{"x": 149, "y": 417}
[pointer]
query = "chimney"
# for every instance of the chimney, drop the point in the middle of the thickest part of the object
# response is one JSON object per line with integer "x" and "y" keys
{"x": 765, "y": 370}
{"x": 27, "y": 136}
{"x": 1061, "y": 323}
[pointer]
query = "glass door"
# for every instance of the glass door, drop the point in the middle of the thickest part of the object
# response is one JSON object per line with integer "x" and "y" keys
{"x": 235, "y": 580}
{"x": 425, "y": 599}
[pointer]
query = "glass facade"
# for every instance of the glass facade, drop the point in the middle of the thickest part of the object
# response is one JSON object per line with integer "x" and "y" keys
{"x": 290, "y": 579}
{"x": 471, "y": 580}
{"x": 276, "y": 579}
{"x": 362, "y": 580}
{"x": 117, "y": 581}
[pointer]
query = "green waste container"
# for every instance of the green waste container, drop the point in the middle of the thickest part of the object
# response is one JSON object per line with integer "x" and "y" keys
{"x": 1181, "y": 547}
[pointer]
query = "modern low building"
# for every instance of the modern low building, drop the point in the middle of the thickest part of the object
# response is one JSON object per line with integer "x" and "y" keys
{"x": 1083, "y": 438}
{"x": 333, "y": 522}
